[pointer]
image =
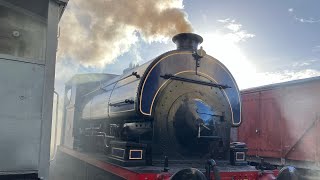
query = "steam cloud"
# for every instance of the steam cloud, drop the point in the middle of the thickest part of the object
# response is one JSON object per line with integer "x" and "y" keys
{"x": 96, "y": 32}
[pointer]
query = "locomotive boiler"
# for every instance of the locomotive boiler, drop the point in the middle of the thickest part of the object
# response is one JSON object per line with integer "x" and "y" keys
{"x": 181, "y": 105}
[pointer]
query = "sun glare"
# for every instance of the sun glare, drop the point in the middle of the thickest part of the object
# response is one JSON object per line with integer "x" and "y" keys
{"x": 225, "y": 48}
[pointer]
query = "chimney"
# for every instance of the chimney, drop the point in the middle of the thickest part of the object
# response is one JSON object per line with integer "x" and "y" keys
{"x": 187, "y": 41}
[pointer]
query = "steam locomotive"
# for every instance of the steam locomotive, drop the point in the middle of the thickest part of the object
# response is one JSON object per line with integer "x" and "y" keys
{"x": 180, "y": 105}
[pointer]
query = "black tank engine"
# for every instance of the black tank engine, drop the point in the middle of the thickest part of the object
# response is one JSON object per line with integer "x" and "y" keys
{"x": 182, "y": 105}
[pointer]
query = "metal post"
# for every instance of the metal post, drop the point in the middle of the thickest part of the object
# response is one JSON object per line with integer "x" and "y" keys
{"x": 47, "y": 104}
{"x": 55, "y": 127}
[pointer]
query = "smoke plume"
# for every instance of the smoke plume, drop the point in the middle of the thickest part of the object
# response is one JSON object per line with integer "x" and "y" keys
{"x": 96, "y": 32}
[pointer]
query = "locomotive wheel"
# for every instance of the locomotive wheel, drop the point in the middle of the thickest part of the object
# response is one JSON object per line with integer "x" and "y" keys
{"x": 174, "y": 116}
{"x": 188, "y": 174}
{"x": 288, "y": 173}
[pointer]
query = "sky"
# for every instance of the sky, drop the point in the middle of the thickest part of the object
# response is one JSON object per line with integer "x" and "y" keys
{"x": 260, "y": 42}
